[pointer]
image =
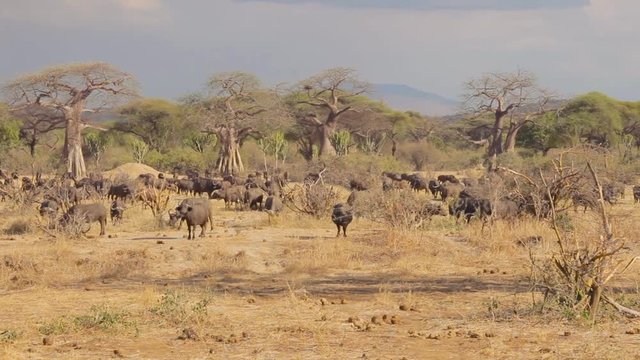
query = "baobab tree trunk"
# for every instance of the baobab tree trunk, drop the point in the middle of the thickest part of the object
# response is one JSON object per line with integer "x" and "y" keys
{"x": 510, "y": 142}
{"x": 229, "y": 161}
{"x": 321, "y": 137}
{"x": 512, "y": 134}
{"x": 495, "y": 148}
{"x": 73, "y": 142}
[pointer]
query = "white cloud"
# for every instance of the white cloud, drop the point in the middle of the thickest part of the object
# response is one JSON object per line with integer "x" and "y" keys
{"x": 82, "y": 13}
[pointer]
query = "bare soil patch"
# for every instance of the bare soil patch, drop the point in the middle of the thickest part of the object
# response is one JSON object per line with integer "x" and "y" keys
{"x": 132, "y": 170}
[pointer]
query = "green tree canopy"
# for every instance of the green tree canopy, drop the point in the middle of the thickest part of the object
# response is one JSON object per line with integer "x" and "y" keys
{"x": 159, "y": 123}
{"x": 9, "y": 128}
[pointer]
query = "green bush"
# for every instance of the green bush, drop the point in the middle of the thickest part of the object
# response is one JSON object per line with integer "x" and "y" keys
{"x": 182, "y": 157}
{"x": 101, "y": 318}
{"x": 176, "y": 308}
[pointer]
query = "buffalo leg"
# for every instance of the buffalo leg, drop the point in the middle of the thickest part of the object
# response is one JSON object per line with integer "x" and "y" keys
{"x": 103, "y": 224}
{"x": 204, "y": 228}
{"x": 344, "y": 230}
{"x": 338, "y": 226}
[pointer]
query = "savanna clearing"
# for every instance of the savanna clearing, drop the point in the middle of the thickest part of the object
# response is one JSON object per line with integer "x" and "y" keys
{"x": 290, "y": 289}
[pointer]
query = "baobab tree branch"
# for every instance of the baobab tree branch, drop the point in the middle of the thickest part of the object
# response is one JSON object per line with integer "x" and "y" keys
{"x": 313, "y": 104}
{"x": 344, "y": 110}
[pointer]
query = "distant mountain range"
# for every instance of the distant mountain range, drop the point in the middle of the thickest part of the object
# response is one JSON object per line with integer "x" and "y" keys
{"x": 404, "y": 97}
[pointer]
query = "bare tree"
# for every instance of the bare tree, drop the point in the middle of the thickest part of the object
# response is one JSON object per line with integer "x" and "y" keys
{"x": 237, "y": 109}
{"x": 515, "y": 97}
{"x": 61, "y": 94}
{"x": 329, "y": 93}
{"x": 37, "y": 121}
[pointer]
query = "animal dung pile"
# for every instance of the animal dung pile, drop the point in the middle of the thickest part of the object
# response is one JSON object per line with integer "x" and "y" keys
{"x": 133, "y": 170}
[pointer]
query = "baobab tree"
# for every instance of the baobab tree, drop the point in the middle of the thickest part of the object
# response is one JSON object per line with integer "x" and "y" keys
{"x": 234, "y": 108}
{"x": 328, "y": 95}
{"x": 65, "y": 92}
{"x": 515, "y": 97}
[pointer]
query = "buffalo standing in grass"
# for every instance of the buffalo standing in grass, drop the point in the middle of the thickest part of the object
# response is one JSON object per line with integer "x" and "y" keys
{"x": 273, "y": 206}
{"x": 49, "y": 208}
{"x": 434, "y": 187}
{"x": 342, "y": 217}
{"x": 116, "y": 211}
{"x": 469, "y": 207}
{"x": 196, "y": 212}
{"x": 87, "y": 213}
{"x": 636, "y": 193}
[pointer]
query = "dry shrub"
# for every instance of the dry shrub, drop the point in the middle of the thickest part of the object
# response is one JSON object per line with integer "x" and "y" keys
{"x": 359, "y": 166}
{"x": 157, "y": 200}
{"x": 312, "y": 199}
{"x": 588, "y": 255}
{"x": 74, "y": 226}
{"x": 8, "y": 335}
{"x": 18, "y": 271}
{"x": 180, "y": 308}
{"x": 101, "y": 318}
{"x": 402, "y": 209}
{"x": 19, "y": 227}
{"x": 506, "y": 236}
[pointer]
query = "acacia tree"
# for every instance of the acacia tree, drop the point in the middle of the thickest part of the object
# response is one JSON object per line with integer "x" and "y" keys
{"x": 235, "y": 108}
{"x": 9, "y": 129}
{"x": 328, "y": 94}
{"x": 200, "y": 142}
{"x": 65, "y": 92}
{"x": 514, "y": 97}
{"x": 157, "y": 122}
{"x": 96, "y": 145}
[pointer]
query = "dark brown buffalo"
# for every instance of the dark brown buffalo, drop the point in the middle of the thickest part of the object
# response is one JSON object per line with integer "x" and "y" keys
{"x": 117, "y": 211}
{"x": 342, "y": 217}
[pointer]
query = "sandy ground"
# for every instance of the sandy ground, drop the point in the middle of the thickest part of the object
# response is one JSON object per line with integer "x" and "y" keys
{"x": 289, "y": 290}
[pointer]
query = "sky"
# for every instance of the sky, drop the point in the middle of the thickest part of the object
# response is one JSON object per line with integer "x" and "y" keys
{"x": 173, "y": 46}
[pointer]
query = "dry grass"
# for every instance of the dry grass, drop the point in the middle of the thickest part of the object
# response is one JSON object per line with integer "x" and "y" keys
{"x": 506, "y": 237}
{"x": 138, "y": 291}
{"x": 60, "y": 263}
{"x": 323, "y": 256}
{"x": 219, "y": 260}
{"x": 19, "y": 227}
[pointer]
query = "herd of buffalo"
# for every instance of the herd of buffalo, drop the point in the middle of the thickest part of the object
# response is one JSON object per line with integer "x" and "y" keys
{"x": 61, "y": 199}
